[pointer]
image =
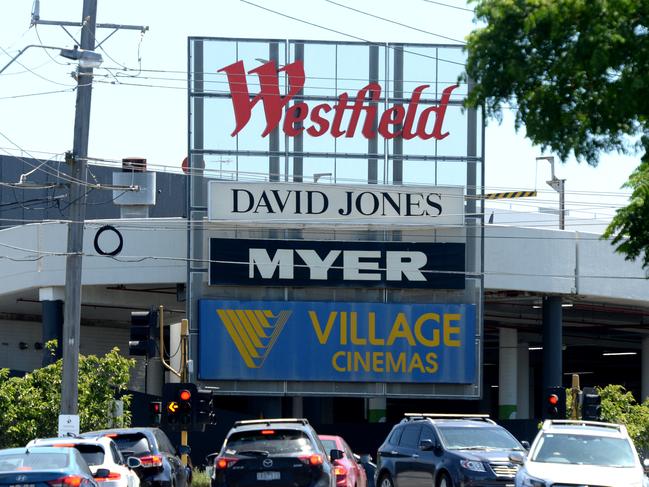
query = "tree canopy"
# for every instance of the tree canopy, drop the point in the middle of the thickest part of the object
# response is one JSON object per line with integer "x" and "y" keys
{"x": 30, "y": 404}
{"x": 574, "y": 73}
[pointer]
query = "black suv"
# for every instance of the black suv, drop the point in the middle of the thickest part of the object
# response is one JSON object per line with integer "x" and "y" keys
{"x": 161, "y": 465}
{"x": 445, "y": 450}
{"x": 278, "y": 452}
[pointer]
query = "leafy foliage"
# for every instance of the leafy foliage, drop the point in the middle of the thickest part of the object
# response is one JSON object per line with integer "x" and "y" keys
{"x": 619, "y": 406}
{"x": 575, "y": 73}
{"x": 30, "y": 405}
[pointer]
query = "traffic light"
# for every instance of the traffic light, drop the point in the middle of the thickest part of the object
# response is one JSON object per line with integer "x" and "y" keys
{"x": 204, "y": 411}
{"x": 591, "y": 405}
{"x": 144, "y": 325}
{"x": 177, "y": 402}
{"x": 155, "y": 412}
{"x": 555, "y": 403}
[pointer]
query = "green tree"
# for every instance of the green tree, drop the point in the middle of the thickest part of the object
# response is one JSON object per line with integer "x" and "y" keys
{"x": 30, "y": 405}
{"x": 619, "y": 406}
{"x": 574, "y": 72}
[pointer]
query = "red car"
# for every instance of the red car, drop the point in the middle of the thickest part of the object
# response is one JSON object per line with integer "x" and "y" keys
{"x": 349, "y": 472}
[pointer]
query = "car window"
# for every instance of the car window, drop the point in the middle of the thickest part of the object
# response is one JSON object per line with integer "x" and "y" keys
{"x": 395, "y": 436}
{"x": 92, "y": 454}
{"x": 410, "y": 436}
{"x": 348, "y": 451}
{"x": 276, "y": 441}
{"x": 584, "y": 450}
{"x": 117, "y": 456}
{"x": 32, "y": 461}
{"x": 133, "y": 444}
{"x": 164, "y": 444}
{"x": 463, "y": 437}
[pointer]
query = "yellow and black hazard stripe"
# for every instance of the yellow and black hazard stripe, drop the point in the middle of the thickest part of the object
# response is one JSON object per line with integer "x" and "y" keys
{"x": 510, "y": 194}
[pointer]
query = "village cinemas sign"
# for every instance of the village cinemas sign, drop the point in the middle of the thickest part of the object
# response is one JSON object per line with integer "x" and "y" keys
{"x": 396, "y": 121}
{"x": 439, "y": 205}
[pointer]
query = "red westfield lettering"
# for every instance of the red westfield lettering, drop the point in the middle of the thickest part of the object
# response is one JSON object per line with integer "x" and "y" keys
{"x": 396, "y": 121}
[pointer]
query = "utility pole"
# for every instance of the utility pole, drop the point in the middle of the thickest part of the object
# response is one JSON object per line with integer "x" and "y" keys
{"x": 73, "y": 261}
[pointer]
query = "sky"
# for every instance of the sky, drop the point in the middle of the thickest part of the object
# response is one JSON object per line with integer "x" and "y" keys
{"x": 146, "y": 115}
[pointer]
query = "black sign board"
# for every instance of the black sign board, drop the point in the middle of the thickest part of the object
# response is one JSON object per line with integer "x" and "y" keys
{"x": 333, "y": 263}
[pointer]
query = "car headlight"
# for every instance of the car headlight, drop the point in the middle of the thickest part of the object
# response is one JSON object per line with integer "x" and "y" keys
{"x": 473, "y": 465}
{"x": 527, "y": 481}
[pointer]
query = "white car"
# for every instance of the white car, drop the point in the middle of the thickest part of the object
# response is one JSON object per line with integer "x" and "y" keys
{"x": 99, "y": 453}
{"x": 578, "y": 453}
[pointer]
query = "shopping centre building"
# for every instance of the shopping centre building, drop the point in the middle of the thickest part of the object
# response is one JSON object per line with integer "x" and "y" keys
{"x": 327, "y": 242}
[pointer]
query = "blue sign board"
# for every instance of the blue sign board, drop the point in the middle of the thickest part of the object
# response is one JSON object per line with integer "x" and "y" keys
{"x": 336, "y": 341}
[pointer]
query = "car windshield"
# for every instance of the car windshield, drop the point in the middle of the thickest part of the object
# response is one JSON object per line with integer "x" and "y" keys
{"x": 10, "y": 462}
{"x": 268, "y": 442}
{"x": 477, "y": 438}
{"x": 584, "y": 450}
{"x": 329, "y": 445}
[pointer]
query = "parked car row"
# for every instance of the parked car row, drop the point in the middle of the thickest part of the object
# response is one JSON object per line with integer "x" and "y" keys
{"x": 128, "y": 457}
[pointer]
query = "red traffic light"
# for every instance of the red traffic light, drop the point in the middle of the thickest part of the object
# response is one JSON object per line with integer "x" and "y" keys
{"x": 155, "y": 407}
{"x": 553, "y": 399}
{"x": 185, "y": 395}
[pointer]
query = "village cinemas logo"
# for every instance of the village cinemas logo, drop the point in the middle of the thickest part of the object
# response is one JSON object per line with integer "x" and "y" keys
{"x": 396, "y": 121}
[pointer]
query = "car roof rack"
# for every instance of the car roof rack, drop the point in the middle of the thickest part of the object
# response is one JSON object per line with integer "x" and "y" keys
{"x": 248, "y": 422}
{"x": 475, "y": 417}
{"x": 581, "y": 422}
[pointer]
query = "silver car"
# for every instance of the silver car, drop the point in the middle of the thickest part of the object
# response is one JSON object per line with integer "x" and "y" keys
{"x": 577, "y": 453}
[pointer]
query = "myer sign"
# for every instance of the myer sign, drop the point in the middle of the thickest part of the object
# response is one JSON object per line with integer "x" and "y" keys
{"x": 440, "y": 205}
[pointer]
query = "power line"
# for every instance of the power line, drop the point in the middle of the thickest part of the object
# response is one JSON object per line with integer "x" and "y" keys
{"x": 450, "y": 6}
{"x": 346, "y": 34}
{"x": 395, "y": 22}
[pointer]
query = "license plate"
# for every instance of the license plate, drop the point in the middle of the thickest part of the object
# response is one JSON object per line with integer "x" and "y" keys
{"x": 268, "y": 476}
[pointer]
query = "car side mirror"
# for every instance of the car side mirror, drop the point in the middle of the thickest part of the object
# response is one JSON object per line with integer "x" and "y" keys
{"x": 133, "y": 462}
{"x": 184, "y": 450}
{"x": 427, "y": 445}
{"x": 335, "y": 454}
{"x": 367, "y": 458}
{"x": 101, "y": 473}
{"x": 517, "y": 457}
{"x": 526, "y": 444}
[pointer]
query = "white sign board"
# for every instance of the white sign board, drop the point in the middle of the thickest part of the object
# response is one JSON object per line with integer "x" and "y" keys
{"x": 68, "y": 423}
{"x": 324, "y": 203}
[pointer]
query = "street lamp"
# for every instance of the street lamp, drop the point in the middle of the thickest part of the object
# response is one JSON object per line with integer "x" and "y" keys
{"x": 86, "y": 58}
{"x": 559, "y": 185}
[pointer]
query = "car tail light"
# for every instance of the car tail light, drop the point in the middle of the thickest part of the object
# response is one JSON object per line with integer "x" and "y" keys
{"x": 267, "y": 432}
{"x": 109, "y": 477}
{"x": 313, "y": 460}
{"x": 340, "y": 471}
{"x": 221, "y": 463}
{"x": 67, "y": 481}
{"x": 151, "y": 461}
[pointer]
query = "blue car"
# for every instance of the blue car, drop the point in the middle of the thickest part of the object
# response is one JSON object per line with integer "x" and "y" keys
{"x": 443, "y": 450}
{"x": 45, "y": 467}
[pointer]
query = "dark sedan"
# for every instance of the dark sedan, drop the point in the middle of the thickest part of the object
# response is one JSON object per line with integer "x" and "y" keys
{"x": 161, "y": 463}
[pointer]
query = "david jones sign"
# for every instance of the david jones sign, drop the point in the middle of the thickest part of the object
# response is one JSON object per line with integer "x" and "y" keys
{"x": 396, "y": 121}
{"x": 231, "y": 200}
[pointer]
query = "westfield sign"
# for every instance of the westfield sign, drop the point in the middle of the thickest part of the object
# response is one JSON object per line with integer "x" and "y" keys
{"x": 396, "y": 121}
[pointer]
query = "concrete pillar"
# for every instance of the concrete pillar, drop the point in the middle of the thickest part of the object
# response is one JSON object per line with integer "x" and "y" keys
{"x": 376, "y": 409}
{"x": 297, "y": 407}
{"x": 52, "y": 324}
{"x": 552, "y": 342}
{"x": 508, "y": 374}
{"x": 645, "y": 368}
{"x": 523, "y": 385}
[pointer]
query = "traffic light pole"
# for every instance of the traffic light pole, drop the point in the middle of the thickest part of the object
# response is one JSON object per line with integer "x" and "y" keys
{"x": 184, "y": 376}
